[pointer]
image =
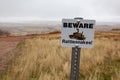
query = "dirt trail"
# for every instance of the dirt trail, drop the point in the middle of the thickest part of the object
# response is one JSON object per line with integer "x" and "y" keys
{"x": 5, "y": 57}
{"x": 7, "y": 44}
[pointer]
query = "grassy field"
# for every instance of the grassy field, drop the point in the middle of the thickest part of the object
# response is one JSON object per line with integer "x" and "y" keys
{"x": 45, "y": 59}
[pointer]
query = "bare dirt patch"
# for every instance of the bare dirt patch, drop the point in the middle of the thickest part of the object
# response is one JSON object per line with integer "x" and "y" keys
{"x": 8, "y": 44}
{"x": 5, "y": 57}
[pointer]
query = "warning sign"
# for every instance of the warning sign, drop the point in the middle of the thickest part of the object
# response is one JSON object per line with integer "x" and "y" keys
{"x": 77, "y": 32}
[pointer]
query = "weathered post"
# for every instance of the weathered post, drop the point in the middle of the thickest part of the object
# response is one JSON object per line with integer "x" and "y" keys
{"x": 75, "y": 59}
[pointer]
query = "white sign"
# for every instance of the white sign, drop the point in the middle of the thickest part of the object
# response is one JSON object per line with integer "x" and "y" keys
{"x": 77, "y": 32}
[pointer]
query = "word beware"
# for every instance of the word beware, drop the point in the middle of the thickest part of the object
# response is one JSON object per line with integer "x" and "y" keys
{"x": 78, "y": 25}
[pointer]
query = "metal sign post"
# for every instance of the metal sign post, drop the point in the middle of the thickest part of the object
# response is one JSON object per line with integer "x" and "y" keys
{"x": 75, "y": 60}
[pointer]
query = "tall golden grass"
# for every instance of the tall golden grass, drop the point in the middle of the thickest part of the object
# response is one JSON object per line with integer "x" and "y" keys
{"x": 45, "y": 59}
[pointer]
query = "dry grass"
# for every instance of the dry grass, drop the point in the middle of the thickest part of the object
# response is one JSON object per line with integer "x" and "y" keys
{"x": 45, "y": 59}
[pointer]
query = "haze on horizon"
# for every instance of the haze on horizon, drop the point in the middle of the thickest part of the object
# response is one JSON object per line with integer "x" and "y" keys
{"x": 28, "y": 10}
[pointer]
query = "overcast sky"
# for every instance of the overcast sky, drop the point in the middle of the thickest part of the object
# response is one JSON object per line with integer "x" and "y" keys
{"x": 101, "y": 10}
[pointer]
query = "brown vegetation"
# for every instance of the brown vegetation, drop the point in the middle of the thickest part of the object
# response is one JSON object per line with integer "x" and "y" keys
{"x": 43, "y": 58}
{"x": 4, "y": 33}
{"x": 115, "y": 29}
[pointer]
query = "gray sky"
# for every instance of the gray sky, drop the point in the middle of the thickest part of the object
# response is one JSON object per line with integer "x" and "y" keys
{"x": 17, "y": 10}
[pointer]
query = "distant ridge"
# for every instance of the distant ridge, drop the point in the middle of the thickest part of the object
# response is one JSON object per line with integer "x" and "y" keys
{"x": 33, "y": 27}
